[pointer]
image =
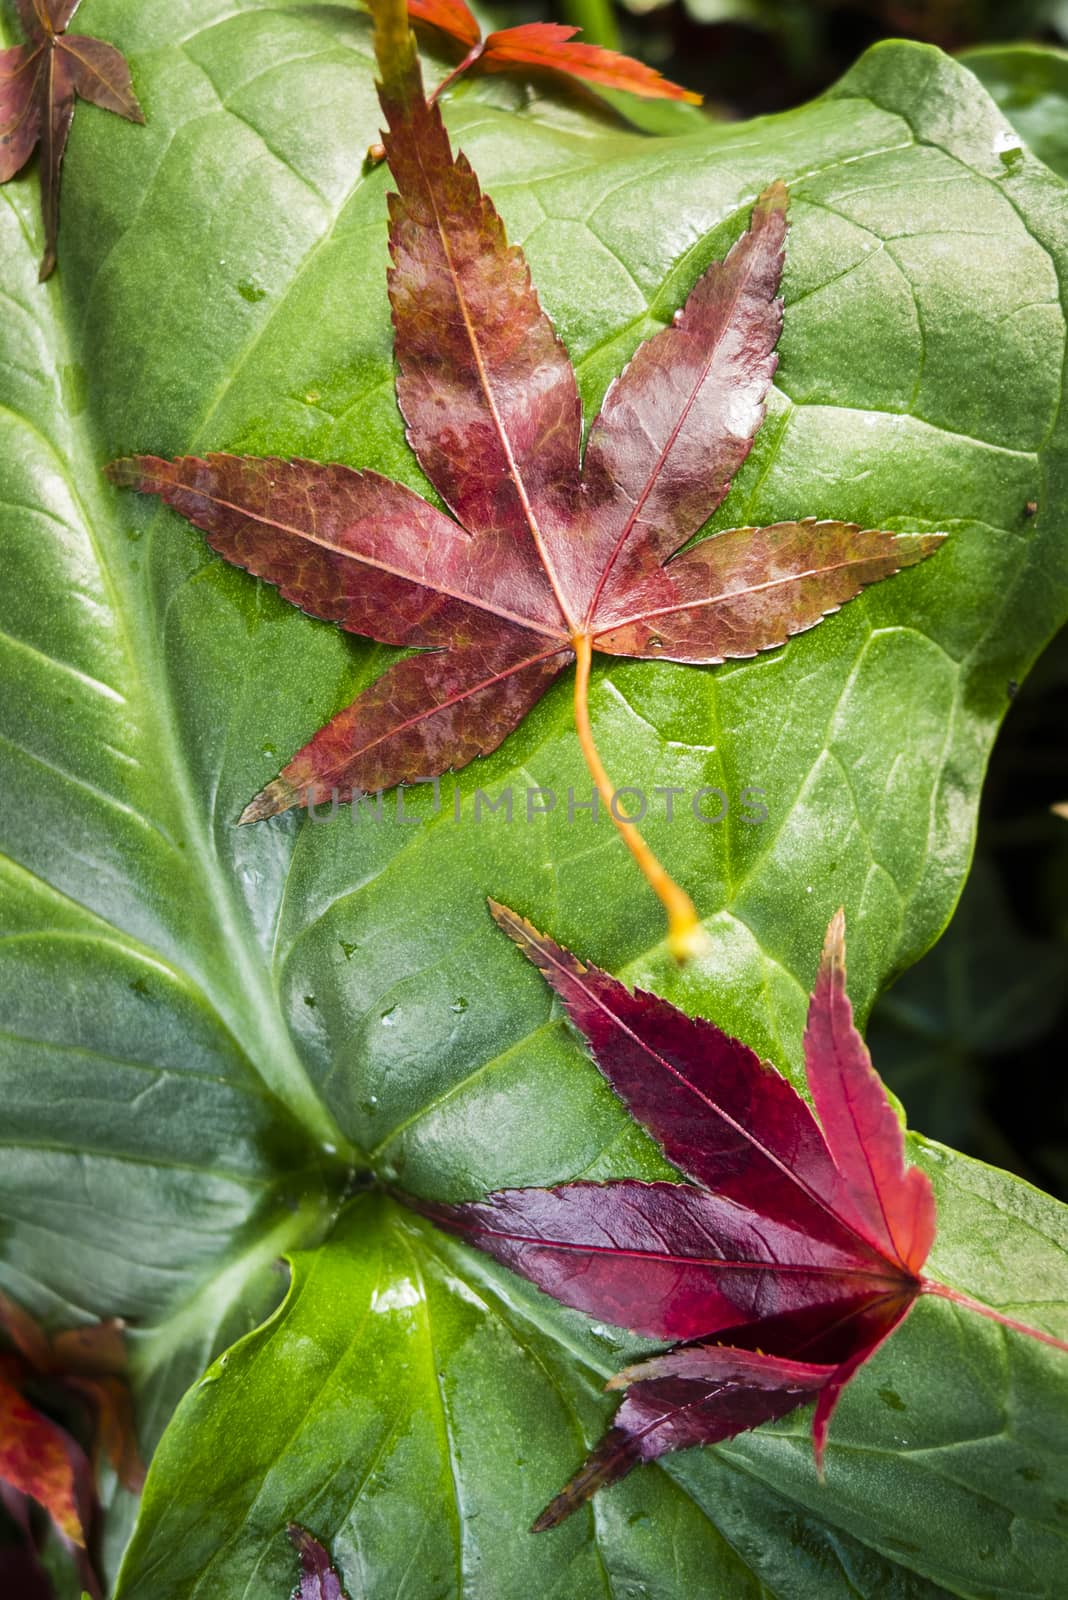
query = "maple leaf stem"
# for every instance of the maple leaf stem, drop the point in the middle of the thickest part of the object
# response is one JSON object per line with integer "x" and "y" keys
{"x": 944, "y": 1292}
{"x": 686, "y": 937}
{"x": 395, "y": 49}
{"x": 450, "y": 77}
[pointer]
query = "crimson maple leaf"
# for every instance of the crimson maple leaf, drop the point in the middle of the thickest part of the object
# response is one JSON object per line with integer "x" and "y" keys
{"x": 39, "y": 1459}
{"x": 545, "y": 45}
{"x": 318, "y": 1579}
{"x": 792, "y": 1255}
{"x": 553, "y": 553}
{"x": 38, "y": 84}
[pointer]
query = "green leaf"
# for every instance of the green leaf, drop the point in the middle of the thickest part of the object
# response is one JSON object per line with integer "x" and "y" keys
{"x": 448, "y": 1399}
{"x": 206, "y": 1029}
{"x": 1030, "y": 85}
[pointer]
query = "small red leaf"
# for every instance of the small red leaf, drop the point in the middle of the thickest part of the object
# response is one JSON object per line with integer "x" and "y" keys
{"x": 547, "y": 44}
{"x": 318, "y": 1580}
{"x": 38, "y": 84}
{"x": 451, "y": 16}
{"x": 89, "y": 1361}
{"x": 40, "y": 1460}
{"x": 29, "y": 1340}
{"x": 101, "y": 75}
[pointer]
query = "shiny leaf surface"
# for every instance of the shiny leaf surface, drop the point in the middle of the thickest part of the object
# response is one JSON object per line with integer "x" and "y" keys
{"x": 261, "y": 994}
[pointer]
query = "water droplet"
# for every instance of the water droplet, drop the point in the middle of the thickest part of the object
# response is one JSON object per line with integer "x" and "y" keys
{"x": 459, "y": 1005}
{"x": 1007, "y": 146}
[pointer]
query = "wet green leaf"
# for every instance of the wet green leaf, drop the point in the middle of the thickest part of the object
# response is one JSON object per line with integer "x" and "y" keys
{"x": 205, "y": 1027}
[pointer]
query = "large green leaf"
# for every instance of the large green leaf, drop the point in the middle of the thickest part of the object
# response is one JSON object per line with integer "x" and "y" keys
{"x": 207, "y": 1029}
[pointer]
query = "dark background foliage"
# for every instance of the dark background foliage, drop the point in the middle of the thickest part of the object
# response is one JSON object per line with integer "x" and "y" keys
{"x": 753, "y": 56}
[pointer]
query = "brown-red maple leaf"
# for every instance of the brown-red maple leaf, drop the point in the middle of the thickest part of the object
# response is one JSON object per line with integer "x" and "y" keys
{"x": 38, "y": 84}
{"x": 548, "y": 45}
{"x": 794, "y": 1252}
{"x": 554, "y": 553}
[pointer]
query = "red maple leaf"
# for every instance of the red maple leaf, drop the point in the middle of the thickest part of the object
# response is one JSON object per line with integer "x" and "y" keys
{"x": 553, "y": 554}
{"x": 542, "y": 45}
{"x": 38, "y": 84}
{"x": 792, "y": 1255}
{"x": 318, "y": 1579}
{"x": 39, "y": 1459}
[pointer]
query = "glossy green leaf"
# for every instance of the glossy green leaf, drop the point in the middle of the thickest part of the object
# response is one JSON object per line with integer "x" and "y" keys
{"x": 206, "y": 1028}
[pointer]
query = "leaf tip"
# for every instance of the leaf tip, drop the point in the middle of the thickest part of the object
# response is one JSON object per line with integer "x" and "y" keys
{"x": 279, "y": 795}
{"x": 912, "y": 548}
{"x": 834, "y": 941}
{"x": 515, "y": 926}
{"x": 555, "y": 1512}
{"x": 125, "y": 473}
{"x": 776, "y": 197}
